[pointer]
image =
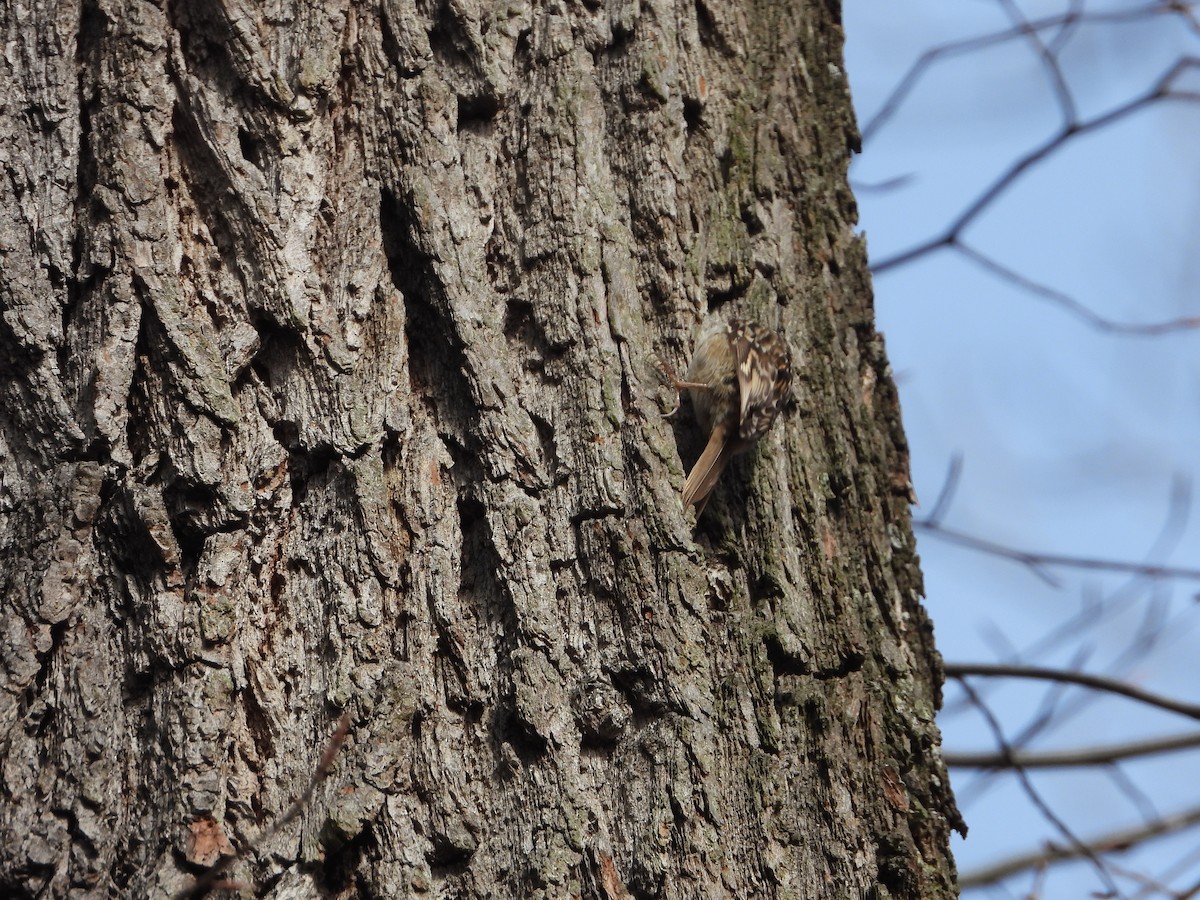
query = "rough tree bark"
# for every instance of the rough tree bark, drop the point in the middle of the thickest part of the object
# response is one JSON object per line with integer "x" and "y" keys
{"x": 330, "y": 361}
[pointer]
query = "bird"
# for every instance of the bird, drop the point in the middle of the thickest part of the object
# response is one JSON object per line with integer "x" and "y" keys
{"x": 739, "y": 378}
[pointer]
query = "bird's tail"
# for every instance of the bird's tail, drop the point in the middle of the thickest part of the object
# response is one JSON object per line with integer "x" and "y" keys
{"x": 712, "y": 462}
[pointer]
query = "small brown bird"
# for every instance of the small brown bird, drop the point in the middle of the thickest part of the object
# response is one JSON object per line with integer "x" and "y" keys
{"x": 739, "y": 378}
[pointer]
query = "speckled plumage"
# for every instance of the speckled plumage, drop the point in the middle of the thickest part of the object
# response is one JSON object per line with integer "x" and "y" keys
{"x": 739, "y": 378}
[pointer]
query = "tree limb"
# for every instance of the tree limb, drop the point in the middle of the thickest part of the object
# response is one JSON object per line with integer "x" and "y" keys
{"x": 1096, "y": 682}
{"x": 1114, "y": 841}
{"x": 1089, "y": 756}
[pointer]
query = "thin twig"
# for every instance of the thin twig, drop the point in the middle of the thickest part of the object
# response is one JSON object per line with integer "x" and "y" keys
{"x": 1160, "y": 90}
{"x": 1038, "y": 563}
{"x": 1134, "y": 794}
{"x": 1062, "y": 93}
{"x": 949, "y": 489}
{"x": 1163, "y": 89}
{"x": 1115, "y": 841}
{"x": 1073, "y": 306}
{"x": 1096, "y": 682}
{"x": 1077, "y": 846}
{"x": 1088, "y": 756}
{"x": 1070, "y": 19}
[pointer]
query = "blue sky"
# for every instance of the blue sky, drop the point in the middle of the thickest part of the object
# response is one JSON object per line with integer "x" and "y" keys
{"x": 1072, "y": 439}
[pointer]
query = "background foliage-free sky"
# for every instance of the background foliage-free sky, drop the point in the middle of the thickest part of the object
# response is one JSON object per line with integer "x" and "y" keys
{"x": 1078, "y": 433}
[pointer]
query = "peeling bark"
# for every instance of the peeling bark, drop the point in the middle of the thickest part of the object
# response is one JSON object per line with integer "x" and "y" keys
{"x": 329, "y": 368}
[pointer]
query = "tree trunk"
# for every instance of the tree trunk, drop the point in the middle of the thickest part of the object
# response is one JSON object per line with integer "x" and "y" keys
{"x": 331, "y": 360}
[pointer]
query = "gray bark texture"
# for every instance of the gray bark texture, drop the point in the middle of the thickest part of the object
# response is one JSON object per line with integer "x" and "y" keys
{"x": 331, "y": 382}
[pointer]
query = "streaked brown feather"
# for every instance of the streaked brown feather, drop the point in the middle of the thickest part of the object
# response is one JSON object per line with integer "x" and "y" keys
{"x": 745, "y": 373}
{"x": 764, "y": 376}
{"x": 708, "y": 468}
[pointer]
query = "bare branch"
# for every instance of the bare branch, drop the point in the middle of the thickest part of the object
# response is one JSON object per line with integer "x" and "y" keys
{"x": 1062, "y": 22}
{"x": 1053, "y": 72}
{"x": 1076, "y": 846}
{"x": 1073, "y": 306}
{"x": 1133, "y": 793}
{"x": 1096, "y": 682}
{"x": 1160, "y": 90}
{"x": 1175, "y": 871}
{"x": 949, "y": 488}
{"x": 1038, "y": 562}
{"x": 1072, "y": 127}
{"x": 1090, "y": 756}
{"x": 1113, "y": 842}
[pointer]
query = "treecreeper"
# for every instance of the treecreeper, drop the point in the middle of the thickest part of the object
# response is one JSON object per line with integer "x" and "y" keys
{"x": 739, "y": 378}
